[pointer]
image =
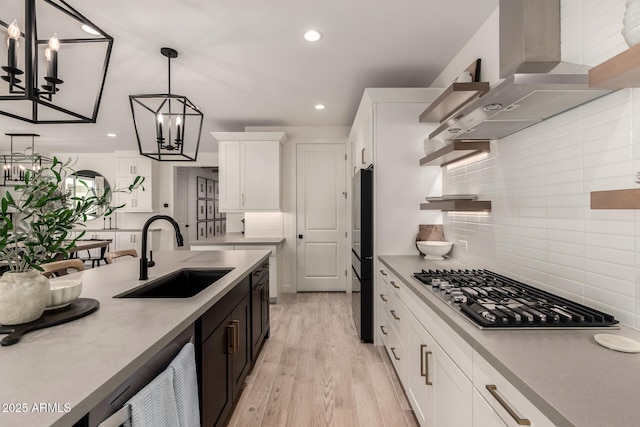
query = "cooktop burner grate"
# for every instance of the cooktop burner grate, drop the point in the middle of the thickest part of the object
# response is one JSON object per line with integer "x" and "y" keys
{"x": 495, "y": 301}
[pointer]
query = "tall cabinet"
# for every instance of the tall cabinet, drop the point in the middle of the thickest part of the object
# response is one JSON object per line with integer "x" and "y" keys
{"x": 249, "y": 170}
{"x": 387, "y": 134}
{"x": 141, "y": 199}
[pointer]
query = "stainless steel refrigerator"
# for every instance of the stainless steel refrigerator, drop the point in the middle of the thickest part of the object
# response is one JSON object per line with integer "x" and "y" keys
{"x": 362, "y": 252}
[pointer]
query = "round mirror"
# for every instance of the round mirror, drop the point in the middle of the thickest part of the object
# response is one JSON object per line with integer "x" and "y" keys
{"x": 85, "y": 183}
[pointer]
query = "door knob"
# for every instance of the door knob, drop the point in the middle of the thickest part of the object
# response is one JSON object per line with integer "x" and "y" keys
{"x": 300, "y": 236}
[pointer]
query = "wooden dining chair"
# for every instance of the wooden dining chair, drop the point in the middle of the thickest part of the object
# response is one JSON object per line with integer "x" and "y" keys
{"x": 111, "y": 256}
{"x": 61, "y": 268}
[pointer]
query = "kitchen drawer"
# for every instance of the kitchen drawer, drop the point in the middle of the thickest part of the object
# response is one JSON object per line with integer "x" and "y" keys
{"x": 391, "y": 281}
{"x": 452, "y": 343}
{"x": 212, "y": 318}
{"x": 507, "y": 402}
{"x": 396, "y": 351}
{"x": 397, "y": 317}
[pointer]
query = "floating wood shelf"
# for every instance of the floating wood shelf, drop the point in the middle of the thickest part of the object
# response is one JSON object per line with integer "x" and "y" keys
{"x": 452, "y": 100}
{"x": 616, "y": 199}
{"x": 458, "y": 205}
{"x": 621, "y": 71}
{"x": 455, "y": 151}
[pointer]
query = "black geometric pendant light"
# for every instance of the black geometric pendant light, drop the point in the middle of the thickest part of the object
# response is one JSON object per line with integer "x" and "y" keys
{"x": 55, "y": 62}
{"x": 168, "y": 126}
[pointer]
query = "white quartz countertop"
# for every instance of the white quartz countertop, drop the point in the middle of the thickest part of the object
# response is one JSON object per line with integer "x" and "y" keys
{"x": 568, "y": 376}
{"x": 237, "y": 239}
{"x": 80, "y": 363}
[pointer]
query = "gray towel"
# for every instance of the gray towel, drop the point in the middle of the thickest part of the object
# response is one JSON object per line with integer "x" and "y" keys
{"x": 155, "y": 404}
{"x": 185, "y": 386}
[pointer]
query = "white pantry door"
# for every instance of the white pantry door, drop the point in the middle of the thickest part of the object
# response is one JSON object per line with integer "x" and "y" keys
{"x": 321, "y": 210}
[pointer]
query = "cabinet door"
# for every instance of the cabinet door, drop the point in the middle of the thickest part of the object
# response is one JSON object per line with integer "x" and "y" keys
{"x": 229, "y": 175}
{"x": 130, "y": 240}
{"x": 256, "y": 319}
{"x": 241, "y": 359}
{"x": 133, "y": 166}
{"x": 483, "y": 413}
{"x": 217, "y": 386}
{"x": 261, "y": 175}
{"x": 453, "y": 392}
{"x": 265, "y": 310}
{"x": 139, "y": 200}
{"x": 419, "y": 384}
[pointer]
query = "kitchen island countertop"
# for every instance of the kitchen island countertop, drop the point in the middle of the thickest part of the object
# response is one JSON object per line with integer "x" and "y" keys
{"x": 55, "y": 376}
{"x": 570, "y": 378}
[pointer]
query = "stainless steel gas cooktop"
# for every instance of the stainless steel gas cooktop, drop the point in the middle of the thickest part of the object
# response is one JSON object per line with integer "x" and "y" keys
{"x": 494, "y": 301}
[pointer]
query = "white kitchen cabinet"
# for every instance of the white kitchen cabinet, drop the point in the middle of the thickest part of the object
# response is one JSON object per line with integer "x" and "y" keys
{"x": 483, "y": 413}
{"x": 508, "y": 405}
{"x": 141, "y": 199}
{"x": 438, "y": 390}
{"x": 249, "y": 170}
{"x": 134, "y": 166}
{"x": 133, "y": 240}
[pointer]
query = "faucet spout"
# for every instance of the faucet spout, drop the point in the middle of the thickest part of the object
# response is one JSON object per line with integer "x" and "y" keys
{"x": 144, "y": 262}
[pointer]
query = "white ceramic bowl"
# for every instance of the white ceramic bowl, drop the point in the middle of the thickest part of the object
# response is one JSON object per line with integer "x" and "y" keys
{"x": 63, "y": 292}
{"x": 434, "y": 249}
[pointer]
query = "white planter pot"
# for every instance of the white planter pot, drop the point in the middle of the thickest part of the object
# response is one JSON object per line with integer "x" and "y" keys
{"x": 23, "y": 297}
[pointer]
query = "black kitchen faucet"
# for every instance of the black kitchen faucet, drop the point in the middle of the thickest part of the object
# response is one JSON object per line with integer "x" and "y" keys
{"x": 144, "y": 263}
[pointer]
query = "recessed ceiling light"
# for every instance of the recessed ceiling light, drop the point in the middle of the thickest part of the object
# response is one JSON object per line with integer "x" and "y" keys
{"x": 111, "y": 135}
{"x": 87, "y": 29}
{"x": 320, "y": 107}
{"x": 312, "y": 36}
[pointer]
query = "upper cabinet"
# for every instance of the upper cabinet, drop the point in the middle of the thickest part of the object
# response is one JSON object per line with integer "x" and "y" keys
{"x": 140, "y": 200}
{"x": 249, "y": 170}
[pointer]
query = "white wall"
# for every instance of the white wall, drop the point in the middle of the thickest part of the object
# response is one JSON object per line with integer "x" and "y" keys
{"x": 541, "y": 228}
{"x": 400, "y": 183}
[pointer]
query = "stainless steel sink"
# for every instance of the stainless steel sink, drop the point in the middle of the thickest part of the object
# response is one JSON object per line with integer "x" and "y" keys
{"x": 183, "y": 283}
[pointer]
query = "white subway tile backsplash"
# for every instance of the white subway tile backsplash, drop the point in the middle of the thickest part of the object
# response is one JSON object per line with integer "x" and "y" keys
{"x": 541, "y": 229}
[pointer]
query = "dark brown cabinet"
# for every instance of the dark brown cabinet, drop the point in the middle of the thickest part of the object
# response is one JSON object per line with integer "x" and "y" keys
{"x": 225, "y": 357}
{"x": 259, "y": 308}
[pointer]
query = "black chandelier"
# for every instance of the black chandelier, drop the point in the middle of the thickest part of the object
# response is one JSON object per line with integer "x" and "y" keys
{"x": 16, "y": 163}
{"x": 36, "y": 86}
{"x": 171, "y": 132}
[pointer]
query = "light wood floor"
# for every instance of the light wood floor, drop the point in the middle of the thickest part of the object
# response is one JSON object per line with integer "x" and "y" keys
{"x": 314, "y": 371}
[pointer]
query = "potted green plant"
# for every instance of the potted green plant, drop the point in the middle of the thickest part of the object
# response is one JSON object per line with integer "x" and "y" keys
{"x": 35, "y": 226}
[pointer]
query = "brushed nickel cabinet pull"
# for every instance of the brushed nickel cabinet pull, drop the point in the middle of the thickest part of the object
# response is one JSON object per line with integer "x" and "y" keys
{"x": 394, "y": 285}
{"x": 230, "y": 337}
{"x": 393, "y": 350}
{"x": 383, "y": 298}
{"x": 426, "y": 371}
{"x": 383, "y": 331}
{"x": 383, "y": 273}
{"x": 395, "y": 316}
{"x": 493, "y": 389}
{"x": 422, "y": 373}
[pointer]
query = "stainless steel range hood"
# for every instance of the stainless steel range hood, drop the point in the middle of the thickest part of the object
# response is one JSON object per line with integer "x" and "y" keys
{"x": 535, "y": 85}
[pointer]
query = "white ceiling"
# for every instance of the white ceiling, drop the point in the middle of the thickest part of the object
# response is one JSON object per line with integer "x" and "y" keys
{"x": 245, "y": 63}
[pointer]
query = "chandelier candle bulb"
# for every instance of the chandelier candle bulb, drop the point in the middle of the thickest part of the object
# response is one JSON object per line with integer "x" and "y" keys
{"x": 160, "y": 119}
{"x": 51, "y": 53}
{"x": 178, "y": 126}
{"x": 12, "y": 43}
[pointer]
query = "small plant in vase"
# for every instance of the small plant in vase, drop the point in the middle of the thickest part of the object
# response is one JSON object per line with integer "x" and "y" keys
{"x": 35, "y": 227}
